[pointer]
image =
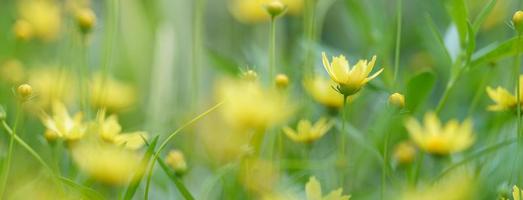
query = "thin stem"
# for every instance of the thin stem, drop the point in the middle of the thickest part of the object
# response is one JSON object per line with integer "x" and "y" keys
{"x": 310, "y": 26}
{"x": 272, "y": 50}
{"x": 398, "y": 41}
{"x": 168, "y": 139}
{"x": 196, "y": 49}
{"x": 7, "y": 164}
{"x": 517, "y": 61}
{"x": 108, "y": 44}
{"x": 344, "y": 120}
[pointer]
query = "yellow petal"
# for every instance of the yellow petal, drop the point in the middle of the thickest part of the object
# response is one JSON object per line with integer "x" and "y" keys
{"x": 313, "y": 189}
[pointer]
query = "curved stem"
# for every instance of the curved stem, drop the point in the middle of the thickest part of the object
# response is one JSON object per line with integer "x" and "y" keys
{"x": 398, "y": 41}
{"x": 167, "y": 140}
{"x": 7, "y": 164}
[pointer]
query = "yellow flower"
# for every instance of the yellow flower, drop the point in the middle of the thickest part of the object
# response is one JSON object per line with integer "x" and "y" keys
{"x": 308, "y": 133}
{"x": 321, "y": 90}
{"x": 23, "y": 30}
{"x": 50, "y": 85}
{"x": 313, "y": 192}
{"x": 176, "y": 160}
{"x": 404, "y": 153}
{"x": 397, "y": 100}
{"x": 441, "y": 140}
{"x": 253, "y": 11}
{"x": 259, "y": 176}
{"x": 44, "y": 17}
{"x": 249, "y": 105}
{"x": 62, "y": 125}
{"x": 516, "y": 193}
{"x": 110, "y": 131}
{"x": 349, "y": 80}
{"x": 504, "y": 100}
{"x": 111, "y": 94}
{"x": 107, "y": 163}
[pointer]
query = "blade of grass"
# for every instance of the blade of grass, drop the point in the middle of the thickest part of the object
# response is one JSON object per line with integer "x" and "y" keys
{"x": 438, "y": 36}
{"x": 87, "y": 192}
{"x": 494, "y": 52}
{"x": 137, "y": 178}
{"x": 179, "y": 184}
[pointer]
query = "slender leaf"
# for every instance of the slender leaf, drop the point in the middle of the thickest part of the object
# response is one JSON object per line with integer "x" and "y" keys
{"x": 137, "y": 178}
{"x": 419, "y": 88}
{"x": 438, "y": 36}
{"x": 85, "y": 191}
{"x": 482, "y": 16}
{"x": 495, "y": 51}
{"x": 223, "y": 63}
{"x": 179, "y": 184}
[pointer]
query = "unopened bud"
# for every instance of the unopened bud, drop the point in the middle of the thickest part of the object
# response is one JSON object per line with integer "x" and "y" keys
{"x": 86, "y": 19}
{"x": 404, "y": 153}
{"x": 176, "y": 161}
{"x": 24, "y": 91}
{"x": 517, "y": 20}
{"x": 275, "y": 8}
{"x": 282, "y": 81}
{"x": 397, "y": 100}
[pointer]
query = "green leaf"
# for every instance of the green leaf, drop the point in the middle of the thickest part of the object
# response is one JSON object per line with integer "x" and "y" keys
{"x": 419, "y": 89}
{"x": 179, "y": 184}
{"x": 137, "y": 178}
{"x": 458, "y": 12}
{"x": 482, "y": 16}
{"x": 495, "y": 51}
{"x": 223, "y": 63}
{"x": 85, "y": 191}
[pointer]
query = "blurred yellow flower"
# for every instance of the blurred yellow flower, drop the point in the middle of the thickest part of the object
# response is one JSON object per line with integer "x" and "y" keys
{"x": 503, "y": 99}
{"x": 313, "y": 192}
{"x": 249, "y": 105}
{"x": 516, "y": 193}
{"x": 253, "y": 11}
{"x": 259, "y": 176}
{"x": 12, "y": 72}
{"x": 44, "y": 17}
{"x": 308, "y": 133}
{"x": 176, "y": 160}
{"x": 50, "y": 85}
{"x": 107, "y": 163}
{"x": 62, "y": 125}
{"x": 458, "y": 185}
{"x": 441, "y": 140}
{"x": 23, "y": 30}
{"x": 349, "y": 80}
{"x": 321, "y": 91}
{"x": 110, "y": 131}
{"x": 111, "y": 94}
{"x": 404, "y": 152}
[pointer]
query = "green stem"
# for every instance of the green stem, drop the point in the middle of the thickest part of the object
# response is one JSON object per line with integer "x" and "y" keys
{"x": 517, "y": 61}
{"x": 272, "y": 50}
{"x": 167, "y": 140}
{"x": 310, "y": 17}
{"x": 398, "y": 41}
{"x": 108, "y": 43}
{"x": 197, "y": 27}
{"x": 7, "y": 164}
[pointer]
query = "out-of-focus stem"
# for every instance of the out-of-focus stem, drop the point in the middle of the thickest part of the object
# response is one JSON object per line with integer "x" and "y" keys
{"x": 7, "y": 164}
{"x": 310, "y": 36}
{"x": 197, "y": 28}
{"x": 272, "y": 50}
{"x": 398, "y": 42}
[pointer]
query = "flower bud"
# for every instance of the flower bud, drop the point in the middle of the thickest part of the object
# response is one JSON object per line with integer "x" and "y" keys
{"x": 517, "y": 20}
{"x": 397, "y": 100}
{"x": 86, "y": 19}
{"x": 404, "y": 153}
{"x": 282, "y": 81}
{"x": 250, "y": 75}
{"x": 275, "y": 8}
{"x": 24, "y": 91}
{"x": 23, "y": 30}
{"x": 176, "y": 161}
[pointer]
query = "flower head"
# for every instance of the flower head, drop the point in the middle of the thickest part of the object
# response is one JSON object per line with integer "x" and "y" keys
{"x": 111, "y": 94}
{"x": 110, "y": 131}
{"x": 313, "y": 192}
{"x": 404, "y": 152}
{"x": 517, "y": 20}
{"x": 349, "y": 80}
{"x": 503, "y": 99}
{"x": 321, "y": 91}
{"x": 397, "y": 100}
{"x": 62, "y": 125}
{"x": 254, "y": 11}
{"x": 306, "y": 132}
{"x": 434, "y": 138}
{"x": 44, "y": 18}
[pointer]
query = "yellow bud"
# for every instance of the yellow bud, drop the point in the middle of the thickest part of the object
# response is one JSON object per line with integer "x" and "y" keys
{"x": 404, "y": 153}
{"x": 23, "y": 30}
{"x": 51, "y": 136}
{"x": 397, "y": 100}
{"x": 250, "y": 75}
{"x": 86, "y": 19}
{"x": 282, "y": 81}
{"x": 176, "y": 161}
{"x": 517, "y": 20}
{"x": 24, "y": 90}
{"x": 275, "y": 8}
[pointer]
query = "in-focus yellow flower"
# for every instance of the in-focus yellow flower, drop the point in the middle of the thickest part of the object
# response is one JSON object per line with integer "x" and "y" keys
{"x": 349, "y": 80}
{"x": 503, "y": 99}
{"x": 107, "y": 163}
{"x": 50, "y": 85}
{"x": 321, "y": 91}
{"x": 253, "y": 11}
{"x": 62, "y": 125}
{"x": 306, "y": 132}
{"x": 313, "y": 192}
{"x": 176, "y": 160}
{"x": 44, "y": 17}
{"x": 12, "y": 72}
{"x": 111, "y": 94}
{"x": 434, "y": 138}
{"x": 404, "y": 152}
{"x": 249, "y": 105}
{"x": 110, "y": 131}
